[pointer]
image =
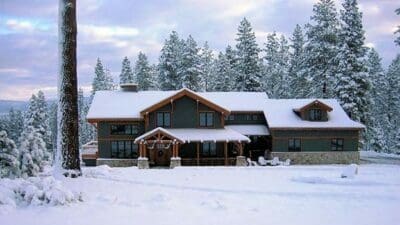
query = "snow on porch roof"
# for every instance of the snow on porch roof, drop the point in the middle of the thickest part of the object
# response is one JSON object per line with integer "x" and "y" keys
{"x": 128, "y": 105}
{"x": 188, "y": 135}
{"x": 256, "y": 129}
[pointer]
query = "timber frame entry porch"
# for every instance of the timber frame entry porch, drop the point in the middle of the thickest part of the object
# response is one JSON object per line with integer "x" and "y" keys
{"x": 160, "y": 142}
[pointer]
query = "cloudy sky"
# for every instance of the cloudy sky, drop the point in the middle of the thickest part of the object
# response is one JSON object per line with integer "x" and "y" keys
{"x": 114, "y": 29}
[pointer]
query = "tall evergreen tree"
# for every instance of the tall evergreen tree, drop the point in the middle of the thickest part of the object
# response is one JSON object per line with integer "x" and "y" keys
{"x": 397, "y": 40}
{"x": 207, "y": 67}
{"x": 143, "y": 72}
{"x": 248, "y": 66}
{"x": 353, "y": 82}
{"x": 86, "y": 132}
{"x": 393, "y": 76}
{"x": 16, "y": 121}
{"x": 322, "y": 48}
{"x": 126, "y": 75}
{"x": 9, "y": 157}
{"x": 102, "y": 79}
{"x": 169, "y": 63}
{"x": 190, "y": 70}
{"x": 223, "y": 76}
{"x": 298, "y": 79}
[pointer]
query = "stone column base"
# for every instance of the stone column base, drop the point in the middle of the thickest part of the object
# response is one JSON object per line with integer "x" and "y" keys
{"x": 143, "y": 163}
{"x": 241, "y": 161}
{"x": 175, "y": 161}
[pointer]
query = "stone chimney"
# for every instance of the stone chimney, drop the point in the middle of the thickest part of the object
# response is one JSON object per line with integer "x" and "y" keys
{"x": 129, "y": 87}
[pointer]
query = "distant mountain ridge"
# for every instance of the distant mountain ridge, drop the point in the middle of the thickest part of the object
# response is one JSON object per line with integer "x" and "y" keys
{"x": 6, "y": 105}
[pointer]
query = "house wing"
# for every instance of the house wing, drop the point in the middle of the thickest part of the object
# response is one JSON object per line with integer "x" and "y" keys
{"x": 189, "y": 93}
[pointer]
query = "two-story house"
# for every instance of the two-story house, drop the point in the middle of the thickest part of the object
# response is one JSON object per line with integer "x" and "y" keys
{"x": 183, "y": 127}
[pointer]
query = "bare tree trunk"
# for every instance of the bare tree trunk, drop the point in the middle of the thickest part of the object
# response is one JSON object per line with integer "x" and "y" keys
{"x": 67, "y": 137}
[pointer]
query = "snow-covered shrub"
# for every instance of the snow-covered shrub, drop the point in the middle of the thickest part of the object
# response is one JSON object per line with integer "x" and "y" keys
{"x": 9, "y": 157}
{"x": 33, "y": 152}
{"x": 262, "y": 161}
{"x": 98, "y": 171}
{"x": 35, "y": 191}
{"x": 350, "y": 171}
{"x": 275, "y": 161}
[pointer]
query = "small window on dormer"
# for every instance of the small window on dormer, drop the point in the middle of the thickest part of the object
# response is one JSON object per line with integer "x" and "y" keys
{"x": 315, "y": 114}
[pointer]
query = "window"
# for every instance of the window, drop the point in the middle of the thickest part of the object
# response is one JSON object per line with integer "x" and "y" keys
{"x": 123, "y": 149}
{"x": 206, "y": 119}
{"x": 337, "y": 144}
{"x": 163, "y": 119}
{"x": 315, "y": 114}
{"x": 294, "y": 145}
{"x": 124, "y": 129}
{"x": 255, "y": 117}
{"x": 209, "y": 149}
{"x": 247, "y": 117}
{"x": 230, "y": 117}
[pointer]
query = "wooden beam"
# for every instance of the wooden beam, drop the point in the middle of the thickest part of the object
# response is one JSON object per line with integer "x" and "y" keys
{"x": 177, "y": 150}
{"x": 240, "y": 149}
{"x": 226, "y": 153}
{"x": 198, "y": 153}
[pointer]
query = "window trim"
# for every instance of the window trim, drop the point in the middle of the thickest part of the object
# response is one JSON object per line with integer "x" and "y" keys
{"x": 163, "y": 113}
{"x": 208, "y": 152}
{"x": 294, "y": 149}
{"x": 335, "y": 144}
{"x": 134, "y": 149}
{"x": 314, "y": 117}
{"x": 206, "y": 120}
{"x": 131, "y": 126}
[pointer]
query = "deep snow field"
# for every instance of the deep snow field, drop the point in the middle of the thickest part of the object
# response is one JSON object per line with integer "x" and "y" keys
{"x": 225, "y": 195}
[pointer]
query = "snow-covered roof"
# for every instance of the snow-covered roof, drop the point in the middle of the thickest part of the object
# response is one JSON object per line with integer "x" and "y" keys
{"x": 279, "y": 114}
{"x": 128, "y": 105}
{"x": 188, "y": 135}
{"x": 253, "y": 129}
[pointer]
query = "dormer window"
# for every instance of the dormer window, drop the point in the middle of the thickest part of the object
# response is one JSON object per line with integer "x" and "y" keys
{"x": 315, "y": 114}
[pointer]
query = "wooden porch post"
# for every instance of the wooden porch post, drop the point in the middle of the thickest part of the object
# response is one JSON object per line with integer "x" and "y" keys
{"x": 198, "y": 153}
{"x": 240, "y": 149}
{"x": 226, "y": 153}
{"x": 144, "y": 150}
{"x": 177, "y": 150}
{"x": 173, "y": 150}
{"x": 140, "y": 149}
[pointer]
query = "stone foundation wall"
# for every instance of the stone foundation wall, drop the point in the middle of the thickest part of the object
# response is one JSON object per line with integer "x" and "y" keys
{"x": 116, "y": 162}
{"x": 345, "y": 157}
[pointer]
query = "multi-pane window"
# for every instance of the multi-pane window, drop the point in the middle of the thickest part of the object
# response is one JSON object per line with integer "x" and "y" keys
{"x": 247, "y": 117}
{"x": 124, "y": 129}
{"x": 255, "y": 117}
{"x": 230, "y": 117}
{"x": 294, "y": 145}
{"x": 315, "y": 114}
{"x": 209, "y": 149}
{"x": 206, "y": 119}
{"x": 337, "y": 144}
{"x": 163, "y": 119}
{"x": 124, "y": 149}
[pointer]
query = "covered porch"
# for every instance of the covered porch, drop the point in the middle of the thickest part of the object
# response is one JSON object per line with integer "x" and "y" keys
{"x": 191, "y": 147}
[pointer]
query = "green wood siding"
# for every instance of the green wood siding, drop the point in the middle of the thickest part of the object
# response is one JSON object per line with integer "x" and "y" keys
{"x": 240, "y": 118}
{"x": 314, "y": 140}
{"x": 184, "y": 114}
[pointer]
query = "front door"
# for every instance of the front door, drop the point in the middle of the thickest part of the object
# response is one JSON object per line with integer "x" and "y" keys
{"x": 162, "y": 155}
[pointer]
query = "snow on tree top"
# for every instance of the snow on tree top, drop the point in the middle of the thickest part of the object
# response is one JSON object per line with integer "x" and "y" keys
{"x": 278, "y": 112}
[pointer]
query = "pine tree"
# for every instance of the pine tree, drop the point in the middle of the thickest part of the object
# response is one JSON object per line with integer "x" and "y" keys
{"x": 223, "y": 77}
{"x": 169, "y": 63}
{"x": 126, "y": 75}
{"x": 16, "y": 121}
{"x": 143, "y": 72}
{"x": 9, "y": 157}
{"x": 393, "y": 101}
{"x": 353, "y": 82}
{"x": 207, "y": 66}
{"x": 102, "y": 79}
{"x": 298, "y": 79}
{"x": 375, "y": 136}
{"x": 33, "y": 152}
{"x": 248, "y": 62}
{"x": 190, "y": 70}
{"x": 397, "y": 40}
{"x": 322, "y": 48}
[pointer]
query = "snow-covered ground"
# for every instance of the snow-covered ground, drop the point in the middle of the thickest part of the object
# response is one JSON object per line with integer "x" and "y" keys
{"x": 221, "y": 195}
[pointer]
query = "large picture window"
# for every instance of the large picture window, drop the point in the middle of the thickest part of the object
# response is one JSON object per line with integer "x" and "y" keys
{"x": 337, "y": 144}
{"x": 315, "y": 114}
{"x": 206, "y": 119}
{"x": 294, "y": 145}
{"x": 209, "y": 149}
{"x": 124, "y": 129}
{"x": 163, "y": 119}
{"x": 124, "y": 149}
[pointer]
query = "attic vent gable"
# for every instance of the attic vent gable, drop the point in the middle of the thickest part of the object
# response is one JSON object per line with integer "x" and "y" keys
{"x": 129, "y": 87}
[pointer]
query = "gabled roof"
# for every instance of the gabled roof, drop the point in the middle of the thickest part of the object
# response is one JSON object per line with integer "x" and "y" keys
{"x": 280, "y": 115}
{"x": 189, "y": 93}
{"x": 161, "y": 131}
{"x": 314, "y": 103}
